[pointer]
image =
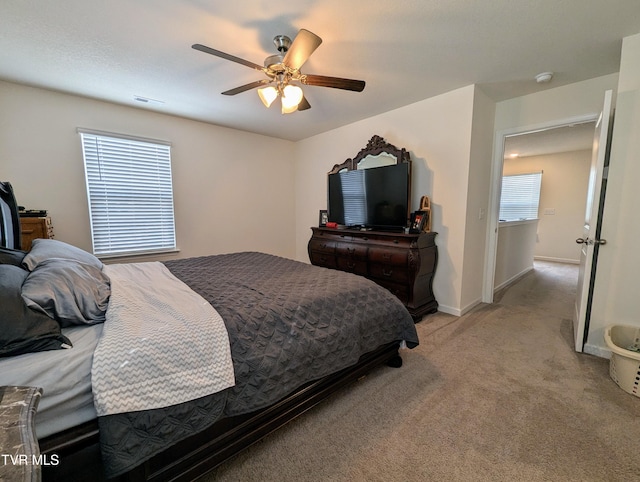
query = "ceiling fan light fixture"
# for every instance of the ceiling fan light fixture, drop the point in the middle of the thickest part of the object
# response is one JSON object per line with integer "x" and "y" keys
{"x": 268, "y": 95}
{"x": 284, "y": 67}
{"x": 291, "y": 97}
{"x": 289, "y": 110}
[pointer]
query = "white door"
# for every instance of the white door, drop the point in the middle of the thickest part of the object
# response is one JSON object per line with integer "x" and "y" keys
{"x": 590, "y": 243}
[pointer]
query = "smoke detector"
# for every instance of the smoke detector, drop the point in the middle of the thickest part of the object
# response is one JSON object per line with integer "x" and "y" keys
{"x": 544, "y": 77}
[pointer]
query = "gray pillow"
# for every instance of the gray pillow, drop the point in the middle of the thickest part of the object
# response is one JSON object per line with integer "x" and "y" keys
{"x": 71, "y": 292}
{"x": 23, "y": 330}
{"x": 43, "y": 249}
{"x": 11, "y": 256}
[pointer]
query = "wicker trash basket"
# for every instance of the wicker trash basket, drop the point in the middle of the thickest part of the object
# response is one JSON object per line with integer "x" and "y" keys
{"x": 624, "y": 365}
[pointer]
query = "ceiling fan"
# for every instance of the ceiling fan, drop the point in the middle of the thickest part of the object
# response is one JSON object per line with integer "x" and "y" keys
{"x": 283, "y": 71}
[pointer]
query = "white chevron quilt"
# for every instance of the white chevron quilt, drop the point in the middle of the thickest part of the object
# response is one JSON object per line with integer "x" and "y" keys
{"x": 162, "y": 343}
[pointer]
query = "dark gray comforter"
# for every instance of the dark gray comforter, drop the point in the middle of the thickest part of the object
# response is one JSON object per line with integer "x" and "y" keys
{"x": 289, "y": 323}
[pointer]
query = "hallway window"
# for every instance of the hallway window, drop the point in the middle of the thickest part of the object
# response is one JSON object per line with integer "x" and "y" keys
{"x": 520, "y": 197}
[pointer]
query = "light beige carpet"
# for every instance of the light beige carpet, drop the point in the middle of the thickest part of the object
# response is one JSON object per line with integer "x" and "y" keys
{"x": 497, "y": 394}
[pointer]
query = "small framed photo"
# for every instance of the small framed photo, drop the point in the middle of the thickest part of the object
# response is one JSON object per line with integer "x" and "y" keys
{"x": 419, "y": 221}
{"x": 324, "y": 217}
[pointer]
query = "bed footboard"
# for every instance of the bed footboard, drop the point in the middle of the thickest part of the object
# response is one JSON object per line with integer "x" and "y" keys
{"x": 79, "y": 453}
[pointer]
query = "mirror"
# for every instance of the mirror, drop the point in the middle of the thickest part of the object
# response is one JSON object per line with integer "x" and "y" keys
{"x": 377, "y": 153}
{"x": 382, "y": 159}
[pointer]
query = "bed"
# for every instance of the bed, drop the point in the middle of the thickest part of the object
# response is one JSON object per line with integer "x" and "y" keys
{"x": 135, "y": 362}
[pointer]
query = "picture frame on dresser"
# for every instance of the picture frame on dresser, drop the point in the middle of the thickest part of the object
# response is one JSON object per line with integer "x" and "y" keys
{"x": 419, "y": 221}
{"x": 323, "y": 218}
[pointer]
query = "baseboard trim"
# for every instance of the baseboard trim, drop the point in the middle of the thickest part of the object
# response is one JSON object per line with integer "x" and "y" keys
{"x": 450, "y": 310}
{"x": 471, "y": 306}
{"x": 557, "y": 260}
{"x": 513, "y": 279}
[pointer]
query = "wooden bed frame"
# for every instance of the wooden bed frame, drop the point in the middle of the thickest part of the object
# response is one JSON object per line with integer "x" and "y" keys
{"x": 78, "y": 449}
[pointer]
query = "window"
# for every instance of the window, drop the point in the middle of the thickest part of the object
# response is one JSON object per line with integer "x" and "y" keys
{"x": 520, "y": 197}
{"x": 130, "y": 194}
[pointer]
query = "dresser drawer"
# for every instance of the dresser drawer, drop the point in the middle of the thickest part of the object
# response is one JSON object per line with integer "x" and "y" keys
{"x": 351, "y": 250}
{"x": 322, "y": 245}
{"x": 351, "y": 265}
{"x": 320, "y": 258}
{"x": 389, "y": 272}
{"x": 388, "y": 256}
{"x": 398, "y": 289}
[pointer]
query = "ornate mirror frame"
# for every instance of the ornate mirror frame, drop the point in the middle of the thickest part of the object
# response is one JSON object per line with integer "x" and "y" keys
{"x": 377, "y": 153}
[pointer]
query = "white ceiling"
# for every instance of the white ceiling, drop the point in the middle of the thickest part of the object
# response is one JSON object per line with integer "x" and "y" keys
{"x": 406, "y": 51}
{"x": 567, "y": 138}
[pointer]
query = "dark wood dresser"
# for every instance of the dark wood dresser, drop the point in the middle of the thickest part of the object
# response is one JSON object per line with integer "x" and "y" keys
{"x": 403, "y": 263}
{"x": 34, "y": 228}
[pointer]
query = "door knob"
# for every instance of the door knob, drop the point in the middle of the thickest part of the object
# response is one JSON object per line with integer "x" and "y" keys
{"x": 590, "y": 242}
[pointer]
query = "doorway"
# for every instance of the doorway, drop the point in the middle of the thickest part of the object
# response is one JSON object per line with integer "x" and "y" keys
{"x": 532, "y": 140}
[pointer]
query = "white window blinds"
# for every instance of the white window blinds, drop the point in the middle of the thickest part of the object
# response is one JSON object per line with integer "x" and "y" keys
{"x": 130, "y": 194}
{"x": 520, "y": 197}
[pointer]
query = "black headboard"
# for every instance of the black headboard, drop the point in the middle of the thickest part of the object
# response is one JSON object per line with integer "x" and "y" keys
{"x": 9, "y": 219}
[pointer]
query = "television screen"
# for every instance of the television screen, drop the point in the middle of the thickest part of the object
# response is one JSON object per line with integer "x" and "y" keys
{"x": 373, "y": 198}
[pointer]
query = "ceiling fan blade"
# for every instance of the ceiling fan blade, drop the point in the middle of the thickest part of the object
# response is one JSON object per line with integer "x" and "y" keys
{"x": 304, "y": 104}
{"x": 302, "y": 47}
{"x": 244, "y": 88}
{"x": 222, "y": 55}
{"x": 334, "y": 82}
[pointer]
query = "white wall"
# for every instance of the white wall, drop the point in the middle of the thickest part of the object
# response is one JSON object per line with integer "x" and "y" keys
{"x": 233, "y": 190}
{"x": 437, "y": 133}
{"x": 478, "y": 190}
{"x": 616, "y": 299}
{"x": 514, "y": 258}
{"x": 564, "y": 190}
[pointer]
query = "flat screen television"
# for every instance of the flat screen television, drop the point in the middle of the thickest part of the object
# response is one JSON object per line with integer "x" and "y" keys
{"x": 376, "y": 198}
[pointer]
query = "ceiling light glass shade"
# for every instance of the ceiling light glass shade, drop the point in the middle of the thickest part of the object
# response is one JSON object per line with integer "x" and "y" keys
{"x": 268, "y": 95}
{"x": 289, "y": 110}
{"x": 291, "y": 97}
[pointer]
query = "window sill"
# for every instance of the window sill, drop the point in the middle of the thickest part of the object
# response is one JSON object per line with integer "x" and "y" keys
{"x": 136, "y": 254}
{"x": 505, "y": 224}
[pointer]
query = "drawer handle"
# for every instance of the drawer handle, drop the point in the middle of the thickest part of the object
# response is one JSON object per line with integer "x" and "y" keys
{"x": 396, "y": 241}
{"x": 351, "y": 265}
{"x": 351, "y": 251}
{"x": 387, "y": 272}
{"x": 386, "y": 255}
